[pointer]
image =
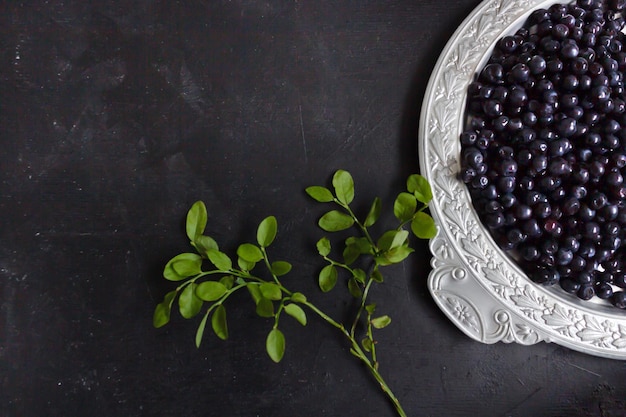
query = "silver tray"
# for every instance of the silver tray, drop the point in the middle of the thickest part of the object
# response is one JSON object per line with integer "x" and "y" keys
{"x": 476, "y": 284}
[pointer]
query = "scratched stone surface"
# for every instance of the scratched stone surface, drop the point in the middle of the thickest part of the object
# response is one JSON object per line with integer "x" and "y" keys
{"x": 115, "y": 116}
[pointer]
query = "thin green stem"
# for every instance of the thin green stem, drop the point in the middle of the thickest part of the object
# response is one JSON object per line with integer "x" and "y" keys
{"x": 269, "y": 266}
{"x": 370, "y": 335}
{"x": 361, "y": 226}
{"x": 358, "y": 352}
{"x": 359, "y": 312}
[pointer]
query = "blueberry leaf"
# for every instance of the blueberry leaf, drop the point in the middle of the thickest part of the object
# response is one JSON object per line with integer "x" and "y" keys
{"x": 255, "y": 292}
{"x": 275, "y": 345}
{"x": 359, "y": 275}
{"x": 344, "y": 186}
{"x": 350, "y": 254}
{"x": 334, "y": 221}
{"x": 321, "y": 194}
{"x": 377, "y": 276}
{"x": 384, "y": 242}
{"x": 200, "y": 330}
{"x": 210, "y": 290}
{"x": 354, "y": 288}
{"x": 245, "y": 265}
{"x": 189, "y": 304}
{"x": 163, "y": 310}
{"x": 296, "y": 312}
{"x": 203, "y": 243}
{"x": 218, "y": 322}
{"x": 399, "y": 239}
{"x": 228, "y": 281}
{"x": 266, "y": 231}
{"x": 323, "y": 246}
{"x": 419, "y": 186}
{"x": 374, "y": 213}
{"x": 423, "y": 226}
{"x": 196, "y": 220}
{"x": 381, "y": 322}
{"x": 328, "y": 278}
{"x": 298, "y": 297}
{"x": 265, "y": 307}
{"x": 280, "y": 268}
{"x": 249, "y": 252}
{"x": 367, "y": 344}
{"x": 404, "y": 206}
{"x": 220, "y": 260}
{"x": 398, "y": 254}
{"x": 362, "y": 244}
{"x": 271, "y": 291}
{"x": 182, "y": 266}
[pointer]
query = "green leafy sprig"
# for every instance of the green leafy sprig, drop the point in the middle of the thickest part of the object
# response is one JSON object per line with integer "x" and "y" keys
{"x": 208, "y": 276}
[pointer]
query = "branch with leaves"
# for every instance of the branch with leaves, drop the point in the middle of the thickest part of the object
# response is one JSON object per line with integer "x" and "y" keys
{"x": 208, "y": 276}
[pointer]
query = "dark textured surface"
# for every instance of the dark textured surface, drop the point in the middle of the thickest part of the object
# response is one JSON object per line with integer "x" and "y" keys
{"x": 115, "y": 116}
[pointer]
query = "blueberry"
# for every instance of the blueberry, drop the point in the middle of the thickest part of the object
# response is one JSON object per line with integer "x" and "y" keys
{"x": 546, "y": 276}
{"x": 619, "y": 299}
{"x": 585, "y": 292}
{"x": 493, "y": 73}
{"x": 520, "y": 72}
{"x": 569, "y": 285}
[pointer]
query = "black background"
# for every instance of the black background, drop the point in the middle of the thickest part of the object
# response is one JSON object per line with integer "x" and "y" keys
{"x": 115, "y": 116}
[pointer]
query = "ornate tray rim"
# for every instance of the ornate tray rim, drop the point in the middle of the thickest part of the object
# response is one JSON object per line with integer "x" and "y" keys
{"x": 479, "y": 288}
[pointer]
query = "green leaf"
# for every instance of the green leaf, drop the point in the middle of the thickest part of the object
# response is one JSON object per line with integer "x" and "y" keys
{"x": 344, "y": 186}
{"x": 419, "y": 186}
{"x": 245, "y": 265}
{"x": 323, "y": 246}
{"x": 220, "y": 260}
{"x": 218, "y": 322}
{"x": 182, "y": 266}
{"x": 399, "y": 239}
{"x": 381, "y": 322}
{"x": 296, "y": 312}
{"x": 249, "y": 252}
{"x": 354, "y": 288}
{"x": 398, "y": 254}
{"x": 163, "y": 310}
{"x": 280, "y": 268}
{"x": 321, "y": 194}
{"x": 385, "y": 241}
{"x": 361, "y": 243}
{"x": 211, "y": 290}
{"x": 271, "y": 291}
{"x": 350, "y": 254}
{"x": 370, "y": 308}
{"x": 298, "y": 297}
{"x": 196, "y": 220}
{"x": 188, "y": 303}
{"x": 275, "y": 345}
{"x": 204, "y": 243}
{"x": 404, "y": 207}
{"x": 367, "y": 344}
{"x": 423, "y": 226}
{"x": 328, "y": 278}
{"x": 374, "y": 213}
{"x": 359, "y": 275}
{"x": 265, "y": 307}
{"x": 255, "y": 292}
{"x": 377, "y": 276}
{"x": 201, "y": 327}
{"x": 266, "y": 232}
{"x": 228, "y": 281}
{"x": 334, "y": 221}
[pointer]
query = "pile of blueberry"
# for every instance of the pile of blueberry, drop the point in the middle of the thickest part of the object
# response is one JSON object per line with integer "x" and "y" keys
{"x": 544, "y": 148}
